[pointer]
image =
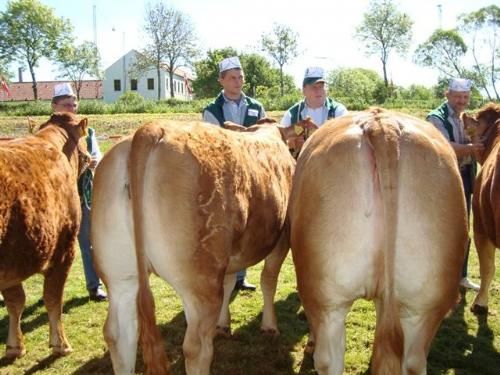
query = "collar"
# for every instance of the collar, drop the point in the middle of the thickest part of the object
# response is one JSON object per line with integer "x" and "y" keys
{"x": 227, "y": 100}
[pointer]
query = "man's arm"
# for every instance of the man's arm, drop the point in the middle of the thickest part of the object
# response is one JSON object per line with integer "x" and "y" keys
{"x": 210, "y": 118}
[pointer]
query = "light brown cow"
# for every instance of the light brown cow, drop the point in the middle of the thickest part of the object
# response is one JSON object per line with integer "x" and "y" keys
{"x": 197, "y": 204}
{"x": 377, "y": 212}
{"x": 39, "y": 220}
{"x": 486, "y": 199}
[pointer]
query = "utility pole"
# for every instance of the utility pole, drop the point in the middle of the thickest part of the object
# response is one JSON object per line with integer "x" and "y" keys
{"x": 440, "y": 16}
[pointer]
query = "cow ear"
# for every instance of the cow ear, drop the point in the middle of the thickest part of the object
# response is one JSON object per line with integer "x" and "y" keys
{"x": 83, "y": 127}
{"x": 31, "y": 125}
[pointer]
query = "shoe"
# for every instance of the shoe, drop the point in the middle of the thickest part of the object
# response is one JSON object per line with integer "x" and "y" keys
{"x": 244, "y": 285}
{"x": 466, "y": 283}
{"x": 98, "y": 295}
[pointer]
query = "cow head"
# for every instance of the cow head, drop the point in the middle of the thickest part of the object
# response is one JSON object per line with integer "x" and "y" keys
{"x": 74, "y": 143}
{"x": 484, "y": 127}
{"x": 296, "y": 135}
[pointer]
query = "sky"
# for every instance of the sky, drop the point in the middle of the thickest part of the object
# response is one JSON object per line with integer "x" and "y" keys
{"x": 325, "y": 30}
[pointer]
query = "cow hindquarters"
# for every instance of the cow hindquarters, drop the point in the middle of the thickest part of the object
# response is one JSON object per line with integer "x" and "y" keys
{"x": 486, "y": 253}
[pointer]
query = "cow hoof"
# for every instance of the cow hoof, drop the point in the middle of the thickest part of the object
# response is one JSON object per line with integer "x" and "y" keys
{"x": 14, "y": 351}
{"x": 479, "y": 310}
{"x": 273, "y": 332}
{"x": 309, "y": 349}
{"x": 223, "y": 331}
{"x": 61, "y": 350}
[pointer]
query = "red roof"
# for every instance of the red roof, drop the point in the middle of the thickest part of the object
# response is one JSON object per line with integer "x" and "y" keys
{"x": 21, "y": 91}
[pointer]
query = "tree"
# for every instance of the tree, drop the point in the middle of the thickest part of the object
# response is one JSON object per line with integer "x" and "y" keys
{"x": 258, "y": 72}
{"x": 482, "y": 27}
{"x": 30, "y": 31}
{"x": 77, "y": 62}
{"x": 384, "y": 29}
{"x": 357, "y": 84}
{"x": 443, "y": 50}
{"x": 172, "y": 42}
{"x": 4, "y": 69}
{"x": 282, "y": 46}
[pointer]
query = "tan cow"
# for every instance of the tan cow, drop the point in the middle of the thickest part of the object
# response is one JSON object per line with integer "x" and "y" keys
{"x": 39, "y": 220}
{"x": 196, "y": 204}
{"x": 377, "y": 211}
{"x": 486, "y": 199}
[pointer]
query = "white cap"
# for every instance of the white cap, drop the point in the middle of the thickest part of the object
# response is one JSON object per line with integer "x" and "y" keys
{"x": 229, "y": 63}
{"x": 63, "y": 89}
{"x": 314, "y": 74}
{"x": 459, "y": 84}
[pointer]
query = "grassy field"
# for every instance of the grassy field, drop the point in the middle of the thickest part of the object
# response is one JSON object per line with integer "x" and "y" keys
{"x": 464, "y": 344}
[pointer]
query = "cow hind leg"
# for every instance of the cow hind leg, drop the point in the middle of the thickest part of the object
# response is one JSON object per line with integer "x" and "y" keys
{"x": 419, "y": 330}
{"x": 486, "y": 254}
{"x": 201, "y": 317}
{"x": 14, "y": 299}
{"x": 224, "y": 322}
{"x": 329, "y": 341}
{"x": 120, "y": 329}
{"x": 268, "y": 283}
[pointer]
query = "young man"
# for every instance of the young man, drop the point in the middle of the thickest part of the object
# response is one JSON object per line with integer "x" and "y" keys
{"x": 315, "y": 104}
{"x": 233, "y": 105}
{"x": 446, "y": 118}
{"x": 64, "y": 100}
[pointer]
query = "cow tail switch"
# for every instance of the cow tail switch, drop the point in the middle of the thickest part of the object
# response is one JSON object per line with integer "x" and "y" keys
{"x": 153, "y": 351}
{"x": 383, "y": 137}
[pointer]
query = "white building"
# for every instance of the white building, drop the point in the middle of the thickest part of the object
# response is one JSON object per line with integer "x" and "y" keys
{"x": 118, "y": 80}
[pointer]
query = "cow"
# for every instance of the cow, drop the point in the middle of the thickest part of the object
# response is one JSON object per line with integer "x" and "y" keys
{"x": 486, "y": 198}
{"x": 377, "y": 211}
{"x": 192, "y": 203}
{"x": 39, "y": 220}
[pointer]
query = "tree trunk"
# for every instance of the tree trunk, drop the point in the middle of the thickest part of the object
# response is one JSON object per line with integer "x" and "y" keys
{"x": 384, "y": 69}
{"x": 171, "y": 76}
{"x": 35, "y": 88}
{"x": 281, "y": 80}
{"x": 158, "y": 73}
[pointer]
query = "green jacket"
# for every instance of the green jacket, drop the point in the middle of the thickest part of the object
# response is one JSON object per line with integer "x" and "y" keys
{"x": 86, "y": 179}
{"x": 442, "y": 114}
{"x": 215, "y": 108}
{"x": 297, "y": 108}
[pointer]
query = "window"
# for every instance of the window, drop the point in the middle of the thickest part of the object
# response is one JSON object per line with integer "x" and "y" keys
{"x": 182, "y": 87}
{"x": 133, "y": 84}
{"x": 117, "y": 84}
{"x": 151, "y": 83}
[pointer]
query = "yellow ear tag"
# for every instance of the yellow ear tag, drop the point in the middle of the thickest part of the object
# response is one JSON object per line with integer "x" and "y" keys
{"x": 298, "y": 129}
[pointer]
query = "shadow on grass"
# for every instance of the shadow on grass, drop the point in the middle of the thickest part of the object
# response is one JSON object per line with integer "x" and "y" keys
{"x": 29, "y": 325}
{"x": 247, "y": 351}
{"x": 455, "y": 349}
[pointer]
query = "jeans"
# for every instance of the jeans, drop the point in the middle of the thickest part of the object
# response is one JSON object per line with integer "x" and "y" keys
{"x": 468, "y": 184}
{"x": 92, "y": 280}
{"x": 240, "y": 275}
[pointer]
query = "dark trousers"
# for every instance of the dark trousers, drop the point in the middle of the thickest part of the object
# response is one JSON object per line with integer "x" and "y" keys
{"x": 468, "y": 184}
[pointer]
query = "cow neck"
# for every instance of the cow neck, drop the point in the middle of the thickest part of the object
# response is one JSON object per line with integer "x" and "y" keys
{"x": 492, "y": 139}
{"x": 61, "y": 138}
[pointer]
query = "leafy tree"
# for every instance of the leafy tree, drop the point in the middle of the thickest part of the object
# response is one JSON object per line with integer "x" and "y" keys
{"x": 483, "y": 28}
{"x": 384, "y": 29}
{"x": 4, "y": 69}
{"x": 355, "y": 83}
{"x": 206, "y": 84}
{"x": 172, "y": 42}
{"x": 30, "y": 31}
{"x": 77, "y": 62}
{"x": 443, "y": 50}
{"x": 281, "y": 44}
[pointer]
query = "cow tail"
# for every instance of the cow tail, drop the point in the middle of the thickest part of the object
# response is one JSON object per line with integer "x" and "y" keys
{"x": 389, "y": 336}
{"x": 153, "y": 351}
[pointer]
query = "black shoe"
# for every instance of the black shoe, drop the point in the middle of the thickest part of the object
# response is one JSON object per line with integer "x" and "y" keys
{"x": 244, "y": 285}
{"x": 98, "y": 295}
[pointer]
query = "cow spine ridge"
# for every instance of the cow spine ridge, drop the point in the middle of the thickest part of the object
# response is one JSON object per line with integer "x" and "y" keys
{"x": 389, "y": 336}
{"x": 144, "y": 141}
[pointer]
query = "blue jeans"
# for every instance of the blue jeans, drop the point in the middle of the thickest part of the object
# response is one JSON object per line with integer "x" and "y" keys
{"x": 92, "y": 280}
{"x": 240, "y": 275}
{"x": 468, "y": 184}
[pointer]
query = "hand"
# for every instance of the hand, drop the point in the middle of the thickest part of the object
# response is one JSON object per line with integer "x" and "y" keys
{"x": 265, "y": 120}
{"x": 93, "y": 163}
{"x": 476, "y": 149}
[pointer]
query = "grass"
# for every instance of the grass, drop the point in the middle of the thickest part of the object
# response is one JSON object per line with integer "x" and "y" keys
{"x": 464, "y": 344}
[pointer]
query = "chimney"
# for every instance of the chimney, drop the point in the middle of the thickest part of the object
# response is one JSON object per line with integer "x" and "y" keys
{"x": 20, "y": 74}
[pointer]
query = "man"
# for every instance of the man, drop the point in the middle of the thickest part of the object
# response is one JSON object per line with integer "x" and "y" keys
{"x": 446, "y": 118}
{"x": 64, "y": 100}
{"x": 315, "y": 104}
{"x": 233, "y": 105}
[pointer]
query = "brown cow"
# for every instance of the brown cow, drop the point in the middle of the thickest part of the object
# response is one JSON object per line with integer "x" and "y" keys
{"x": 197, "y": 204}
{"x": 486, "y": 198}
{"x": 377, "y": 212}
{"x": 39, "y": 220}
